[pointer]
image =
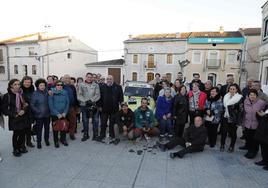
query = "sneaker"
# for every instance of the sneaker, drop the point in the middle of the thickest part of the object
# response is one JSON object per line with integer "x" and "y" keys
{"x": 17, "y": 153}
{"x": 64, "y": 143}
{"x": 231, "y": 149}
{"x": 23, "y": 150}
{"x": 85, "y": 137}
{"x": 30, "y": 144}
{"x": 260, "y": 163}
{"x": 115, "y": 141}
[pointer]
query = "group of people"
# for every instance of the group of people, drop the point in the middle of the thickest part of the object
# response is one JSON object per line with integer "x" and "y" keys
{"x": 222, "y": 108}
{"x": 210, "y": 111}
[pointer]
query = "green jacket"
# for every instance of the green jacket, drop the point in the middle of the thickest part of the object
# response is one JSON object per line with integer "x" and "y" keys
{"x": 144, "y": 118}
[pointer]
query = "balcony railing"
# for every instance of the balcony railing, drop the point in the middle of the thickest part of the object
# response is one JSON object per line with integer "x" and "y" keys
{"x": 213, "y": 63}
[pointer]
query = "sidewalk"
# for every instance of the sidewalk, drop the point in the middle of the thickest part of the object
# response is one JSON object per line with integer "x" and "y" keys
{"x": 91, "y": 164}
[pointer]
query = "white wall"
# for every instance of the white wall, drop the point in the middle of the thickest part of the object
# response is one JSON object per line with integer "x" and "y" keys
{"x": 59, "y": 64}
{"x": 160, "y": 51}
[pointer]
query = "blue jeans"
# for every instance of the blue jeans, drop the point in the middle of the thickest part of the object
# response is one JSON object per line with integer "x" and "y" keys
{"x": 40, "y": 123}
{"x": 85, "y": 119}
{"x": 165, "y": 126}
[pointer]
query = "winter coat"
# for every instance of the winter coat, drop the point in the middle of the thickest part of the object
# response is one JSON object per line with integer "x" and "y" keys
{"x": 58, "y": 102}
{"x": 71, "y": 91}
{"x": 144, "y": 118}
{"x": 262, "y": 130}
{"x": 111, "y": 97}
{"x": 197, "y": 136}
{"x": 27, "y": 93}
{"x": 88, "y": 92}
{"x": 125, "y": 119}
{"x": 39, "y": 104}
{"x": 250, "y": 111}
{"x": 9, "y": 109}
{"x": 180, "y": 109}
{"x": 235, "y": 109}
{"x": 163, "y": 107}
{"x": 216, "y": 109}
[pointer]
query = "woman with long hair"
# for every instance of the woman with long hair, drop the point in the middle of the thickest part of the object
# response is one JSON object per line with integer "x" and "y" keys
{"x": 15, "y": 107}
{"x": 233, "y": 114}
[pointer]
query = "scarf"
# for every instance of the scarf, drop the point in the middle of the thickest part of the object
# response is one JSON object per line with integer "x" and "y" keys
{"x": 229, "y": 100}
{"x": 19, "y": 100}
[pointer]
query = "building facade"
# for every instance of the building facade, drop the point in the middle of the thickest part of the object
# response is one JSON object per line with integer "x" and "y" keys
{"x": 3, "y": 63}
{"x": 146, "y": 55}
{"x": 263, "y": 52}
{"x": 39, "y": 55}
{"x": 250, "y": 57}
{"x": 214, "y": 55}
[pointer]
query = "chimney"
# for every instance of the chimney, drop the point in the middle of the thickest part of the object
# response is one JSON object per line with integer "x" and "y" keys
{"x": 221, "y": 30}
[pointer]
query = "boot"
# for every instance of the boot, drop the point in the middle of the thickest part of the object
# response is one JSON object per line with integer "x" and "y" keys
{"x": 95, "y": 134}
{"x": 85, "y": 136}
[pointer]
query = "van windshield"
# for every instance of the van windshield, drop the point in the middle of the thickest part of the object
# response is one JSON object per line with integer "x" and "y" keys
{"x": 138, "y": 91}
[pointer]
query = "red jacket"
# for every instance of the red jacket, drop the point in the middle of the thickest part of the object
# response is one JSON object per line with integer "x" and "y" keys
{"x": 202, "y": 99}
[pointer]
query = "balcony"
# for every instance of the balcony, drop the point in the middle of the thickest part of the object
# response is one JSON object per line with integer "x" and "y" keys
{"x": 149, "y": 65}
{"x": 213, "y": 63}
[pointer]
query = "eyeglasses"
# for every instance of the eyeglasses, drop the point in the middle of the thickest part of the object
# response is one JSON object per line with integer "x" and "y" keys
{"x": 59, "y": 85}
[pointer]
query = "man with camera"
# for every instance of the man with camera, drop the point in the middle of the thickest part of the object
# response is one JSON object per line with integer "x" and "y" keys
{"x": 88, "y": 94}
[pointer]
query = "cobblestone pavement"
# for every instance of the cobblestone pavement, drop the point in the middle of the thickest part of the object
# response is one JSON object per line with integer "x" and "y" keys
{"x": 97, "y": 165}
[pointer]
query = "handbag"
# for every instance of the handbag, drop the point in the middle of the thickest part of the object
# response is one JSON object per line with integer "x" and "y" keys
{"x": 61, "y": 125}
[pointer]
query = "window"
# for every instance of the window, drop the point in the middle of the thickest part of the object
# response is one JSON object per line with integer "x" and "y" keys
{"x": 134, "y": 76}
{"x": 31, "y": 50}
{"x": 169, "y": 76}
{"x": 169, "y": 58}
{"x": 16, "y": 69}
{"x": 213, "y": 55}
{"x": 69, "y": 55}
{"x": 265, "y": 30}
{"x": 150, "y": 61}
{"x": 231, "y": 57}
{"x": 197, "y": 57}
{"x": 69, "y": 40}
{"x": 17, "y": 51}
{"x": 25, "y": 70}
{"x": 135, "y": 59}
{"x": 2, "y": 70}
{"x": 34, "y": 71}
{"x": 266, "y": 73}
{"x": 1, "y": 55}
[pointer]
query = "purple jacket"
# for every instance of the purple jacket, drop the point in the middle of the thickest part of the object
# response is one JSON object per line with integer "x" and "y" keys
{"x": 250, "y": 119}
{"x": 163, "y": 107}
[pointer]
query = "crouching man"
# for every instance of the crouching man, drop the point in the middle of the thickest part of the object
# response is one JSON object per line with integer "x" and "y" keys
{"x": 193, "y": 140}
{"x": 125, "y": 121}
{"x": 144, "y": 121}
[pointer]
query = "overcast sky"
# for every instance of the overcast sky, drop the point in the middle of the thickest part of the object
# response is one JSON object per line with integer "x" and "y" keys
{"x": 105, "y": 24}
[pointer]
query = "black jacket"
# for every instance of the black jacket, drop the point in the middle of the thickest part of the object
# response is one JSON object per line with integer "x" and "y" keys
{"x": 262, "y": 130}
{"x": 9, "y": 109}
{"x": 236, "y": 113}
{"x": 224, "y": 90}
{"x": 180, "y": 109}
{"x": 196, "y": 136}
{"x": 125, "y": 119}
{"x": 111, "y": 97}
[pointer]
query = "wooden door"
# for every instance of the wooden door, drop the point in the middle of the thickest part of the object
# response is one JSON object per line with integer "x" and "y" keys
{"x": 116, "y": 73}
{"x": 150, "y": 76}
